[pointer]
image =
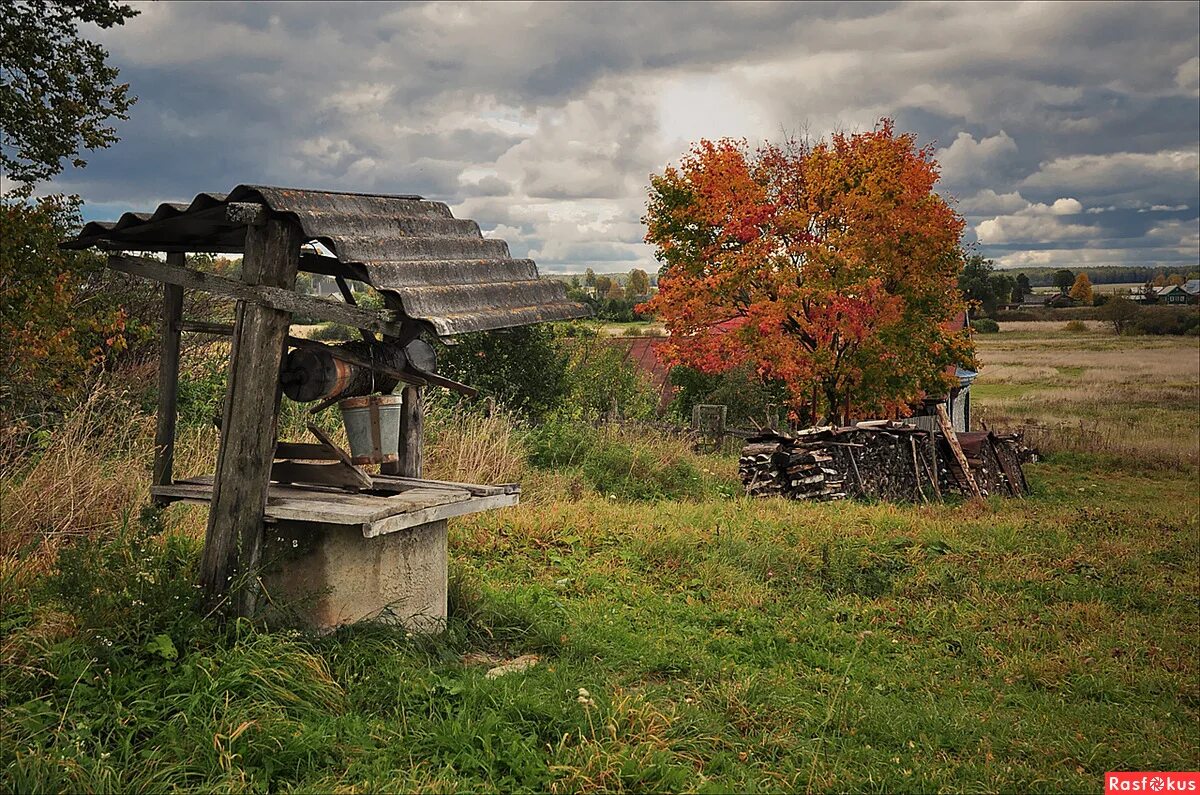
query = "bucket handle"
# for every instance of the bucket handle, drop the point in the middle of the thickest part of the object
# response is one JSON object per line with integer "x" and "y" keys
{"x": 376, "y": 433}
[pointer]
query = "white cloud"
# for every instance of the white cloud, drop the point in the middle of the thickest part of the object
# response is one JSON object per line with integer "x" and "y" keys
{"x": 1035, "y": 223}
{"x": 968, "y": 161}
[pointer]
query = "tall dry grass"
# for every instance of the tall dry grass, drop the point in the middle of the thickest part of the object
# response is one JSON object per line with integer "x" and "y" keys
{"x": 1134, "y": 398}
{"x": 473, "y": 448}
{"x": 89, "y": 474}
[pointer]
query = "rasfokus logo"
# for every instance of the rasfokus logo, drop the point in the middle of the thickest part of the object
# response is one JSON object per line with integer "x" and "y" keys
{"x": 1159, "y": 781}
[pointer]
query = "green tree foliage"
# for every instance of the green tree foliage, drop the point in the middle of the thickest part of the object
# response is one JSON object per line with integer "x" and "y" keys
{"x": 638, "y": 284}
{"x": 1004, "y": 288}
{"x": 975, "y": 282}
{"x": 522, "y": 368}
{"x": 749, "y": 398}
{"x": 1022, "y": 288}
{"x": 57, "y": 91}
{"x": 1063, "y": 279}
{"x": 589, "y": 278}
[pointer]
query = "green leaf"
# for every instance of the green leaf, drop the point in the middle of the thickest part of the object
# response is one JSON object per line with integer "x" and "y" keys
{"x": 163, "y": 646}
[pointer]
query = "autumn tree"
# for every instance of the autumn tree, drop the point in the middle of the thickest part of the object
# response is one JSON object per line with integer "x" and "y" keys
{"x": 829, "y": 267}
{"x": 1081, "y": 290}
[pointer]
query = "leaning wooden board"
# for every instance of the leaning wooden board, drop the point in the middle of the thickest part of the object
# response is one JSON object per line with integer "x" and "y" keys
{"x": 373, "y": 514}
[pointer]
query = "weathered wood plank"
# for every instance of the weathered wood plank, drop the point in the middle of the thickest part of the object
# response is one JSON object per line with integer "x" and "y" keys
{"x": 312, "y": 504}
{"x": 956, "y": 449}
{"x": 436, "y": 513}
{"x": 321, "y": 474}
{"x": 265, "y": 295}
{"x": 168, "y": 380}
{"x": 476, "y": 489}
{"x": 234, "y": 536}
{"x": 411, "y": 445}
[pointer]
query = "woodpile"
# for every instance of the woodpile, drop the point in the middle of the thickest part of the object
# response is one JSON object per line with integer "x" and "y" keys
{"x": 876, "y": 460}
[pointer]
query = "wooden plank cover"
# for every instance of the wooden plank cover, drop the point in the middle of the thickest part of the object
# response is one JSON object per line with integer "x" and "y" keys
{"x": 373, "y": 514}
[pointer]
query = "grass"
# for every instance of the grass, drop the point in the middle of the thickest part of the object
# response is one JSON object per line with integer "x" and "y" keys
{"x": 721, "y": 644}
{"x": 726, "y": 645}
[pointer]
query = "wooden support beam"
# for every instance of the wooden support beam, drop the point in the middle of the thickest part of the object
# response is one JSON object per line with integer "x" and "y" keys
{"x": 228, "y": 571}
{"x": 168, "y": 381}
{"x": 412, "y": 419}
{"x": 265, "y": 295}
{"x": 956, "y": 449}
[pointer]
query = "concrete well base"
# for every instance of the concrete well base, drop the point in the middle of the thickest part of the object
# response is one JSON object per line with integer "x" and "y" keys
{"x": 327, "y": 577}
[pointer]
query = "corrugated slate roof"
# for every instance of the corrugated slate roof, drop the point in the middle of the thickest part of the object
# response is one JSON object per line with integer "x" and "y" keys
{"x": 439, "y": 268}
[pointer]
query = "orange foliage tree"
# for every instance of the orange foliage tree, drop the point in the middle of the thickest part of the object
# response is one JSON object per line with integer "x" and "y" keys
{"x": 830, "y": 267}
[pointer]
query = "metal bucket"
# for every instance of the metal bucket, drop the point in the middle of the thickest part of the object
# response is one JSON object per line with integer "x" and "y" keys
{"x": 373, "y": 427}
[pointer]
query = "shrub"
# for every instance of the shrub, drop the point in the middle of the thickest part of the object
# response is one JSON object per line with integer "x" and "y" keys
{"x": 1167, "y": 320}
{"x": 600, "y": 376}
{"x": 1075, "y": 326}
{"x": 747, "y": 397}
{"x": 522, "y": 369}
{"x": 985, "y": 325}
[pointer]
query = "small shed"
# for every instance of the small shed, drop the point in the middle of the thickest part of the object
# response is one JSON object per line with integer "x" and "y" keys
{"x": 340, "y": 543}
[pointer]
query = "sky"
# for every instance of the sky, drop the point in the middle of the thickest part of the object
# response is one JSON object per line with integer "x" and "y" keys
{"x": 1068, "y": 134}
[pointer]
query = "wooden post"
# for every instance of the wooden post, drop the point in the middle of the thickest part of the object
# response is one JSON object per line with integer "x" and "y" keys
{"x": 168, "y": 381}
{"x": 412, "y": 418}
{"x": 956, "y": 449}
{"x": 232, "y": 543}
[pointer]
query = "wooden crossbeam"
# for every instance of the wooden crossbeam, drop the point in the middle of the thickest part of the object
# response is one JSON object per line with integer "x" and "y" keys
{"x": 385, "y": 322}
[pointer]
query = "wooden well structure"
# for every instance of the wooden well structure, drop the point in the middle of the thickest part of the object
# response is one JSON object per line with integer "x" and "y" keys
{"x": 340, "y": 543}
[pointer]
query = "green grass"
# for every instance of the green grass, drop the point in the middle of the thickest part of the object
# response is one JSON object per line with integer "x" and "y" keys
{"x": 726, "y": 645}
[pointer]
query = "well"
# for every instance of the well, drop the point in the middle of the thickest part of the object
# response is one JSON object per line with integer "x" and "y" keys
{"x": 298, "y": 528}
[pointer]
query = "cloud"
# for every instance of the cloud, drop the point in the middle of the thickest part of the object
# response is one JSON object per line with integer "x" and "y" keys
{"x": 1036, "y": 222}
{"x": 1158, "y": 177}
{"x": 968, "y": 161}
{"x": 542, "y": 121}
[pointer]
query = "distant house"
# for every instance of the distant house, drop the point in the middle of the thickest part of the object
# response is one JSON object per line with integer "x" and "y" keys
{"x": 1192, "y": 288}
{"x": 1174, "y": 294}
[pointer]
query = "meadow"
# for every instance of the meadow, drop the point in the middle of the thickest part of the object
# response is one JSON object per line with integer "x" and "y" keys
{"x": 687, "y": 639}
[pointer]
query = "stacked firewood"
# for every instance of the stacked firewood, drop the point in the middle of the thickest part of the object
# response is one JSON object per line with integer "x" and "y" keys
{"x": 774, "y": 464}
{"x": 876, "y": 460}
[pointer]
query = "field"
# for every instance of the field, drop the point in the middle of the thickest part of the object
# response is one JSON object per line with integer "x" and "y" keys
{"x": 704, "y": 644}
{"x": 1134, "y": 398}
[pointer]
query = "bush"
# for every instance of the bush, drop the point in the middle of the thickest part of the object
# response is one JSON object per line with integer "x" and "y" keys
{"x": 985, "y": 325}
{"x": 1167, "y": 320}
{"x": 1075, "y": 326}
{"x": 748, "y": 398}
{"x": 523, "y": 369}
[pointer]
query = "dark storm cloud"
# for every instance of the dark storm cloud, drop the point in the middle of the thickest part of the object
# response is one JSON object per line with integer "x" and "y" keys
{"x": 1064, "y": 129}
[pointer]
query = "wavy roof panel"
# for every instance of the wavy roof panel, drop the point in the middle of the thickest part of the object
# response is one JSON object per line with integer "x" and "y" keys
{"x": 432, "y": 266}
